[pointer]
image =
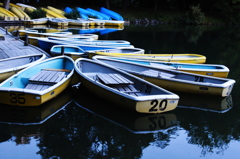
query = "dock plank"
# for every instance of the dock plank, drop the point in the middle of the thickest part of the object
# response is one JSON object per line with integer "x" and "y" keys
{"x": 12, "y": 47}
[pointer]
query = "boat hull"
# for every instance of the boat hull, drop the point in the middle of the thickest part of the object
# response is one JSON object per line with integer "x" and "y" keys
{"x": 38, "y": 83}
{"x": 202, "y": 69}
{"x": 25, "y": 98}
{"x": 187, "y": 87}
{"x": 182, "y": 58}
{"x": 207, "y": 73}
{"x": 146, "y": 98}
{"x": 148, "y": 106}
{"x": 11, "y": 66}
{"x": 176, "y": 81}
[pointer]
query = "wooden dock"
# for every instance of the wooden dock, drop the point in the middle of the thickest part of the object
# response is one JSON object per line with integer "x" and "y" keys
{"x": 10, "y": 46}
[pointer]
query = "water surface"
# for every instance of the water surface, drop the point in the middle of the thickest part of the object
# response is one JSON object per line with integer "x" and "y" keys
{"x": 78, "y": 124}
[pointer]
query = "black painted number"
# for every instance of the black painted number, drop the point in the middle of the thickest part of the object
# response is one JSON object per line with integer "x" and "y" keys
{"x": 161, "y": 106}
{"x": 199, "y": 79}
{"x": 17, "y": 98}
{"x": 148, "y": 89}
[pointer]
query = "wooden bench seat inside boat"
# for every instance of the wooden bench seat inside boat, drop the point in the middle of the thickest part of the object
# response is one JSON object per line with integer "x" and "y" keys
{"x": 126, "y": 89}
{"x": 158, "y": 73}
{"x": 113, "y": 79}
{"x": 46, "y": 78}
{"x": 38, "y": 87}
{"x": 118, "y": 82}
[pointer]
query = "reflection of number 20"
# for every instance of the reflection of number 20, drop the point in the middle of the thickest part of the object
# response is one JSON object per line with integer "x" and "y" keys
{"x": 162, "y": 105}
{"x": 17, "y": 98}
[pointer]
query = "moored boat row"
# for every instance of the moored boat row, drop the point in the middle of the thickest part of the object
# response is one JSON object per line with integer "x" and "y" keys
{"x": 123, "y": 75}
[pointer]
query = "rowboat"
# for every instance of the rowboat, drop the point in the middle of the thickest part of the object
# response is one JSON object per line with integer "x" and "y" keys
{"x": 136, "y": 123}
{"x": 38, "y": 83}
{"x": 10, "y": 66}
{"x": 124, "y": 89}
{"x": 60, "y": 34}
{"x": 98, "y": 14}
{"x": 35, "y": 33}
{"x": 22, "y": 33}
{"x": 17, "y": 115}
{"x": 203, "y": 69}
{"x": 76, "y": 52}
{"x": 84, "y": 13}
{"x": 175, "y": 80}
{"x": 92, "y": 42}
{"x": 182, "y": 58}
{"x": 115, "y": 51}
{"x": 112, "y": 14}
{"x": 34, "y": 40}
{"x": 46, "y": 45}
{"x": 72, "y": 51}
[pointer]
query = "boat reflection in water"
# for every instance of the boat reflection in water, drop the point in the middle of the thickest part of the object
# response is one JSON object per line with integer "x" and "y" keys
{"x": 134, "y": 122}
{"x": 204, "y": 102}
{"x": 35, "y": 115}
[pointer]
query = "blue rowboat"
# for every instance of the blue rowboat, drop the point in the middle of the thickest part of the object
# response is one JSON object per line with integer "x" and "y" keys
{"x": 103, "y": 16}
{"x": 76, "y": 52}
{"x": 92, "y": 42}
{"x": 203, "y": 69}
{"x": 112, "y": 14}
{"x": 37, "y": 83}
{"x": 46, "y": 44}
{"x": 72, "y": 51}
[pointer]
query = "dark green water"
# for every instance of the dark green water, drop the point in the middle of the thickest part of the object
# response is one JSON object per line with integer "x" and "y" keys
{"x": 200, "y": 127}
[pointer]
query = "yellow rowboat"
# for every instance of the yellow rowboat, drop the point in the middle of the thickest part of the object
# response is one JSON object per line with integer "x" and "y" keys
{"x": 134, "y": 122}
{"x": 11, "y": 66}
{"x": 17, "y": 13}
{"x": 9, "y": 14}
{"x": 123, "y": 89}
{"x": 58, "y": 11}
{"x": 109, "y": 52}
{"x": 20, "y": 13}
{"x": 202, "y": 69}
{"x": 35, "y": 115}
{"x": 183, "y": 58}
{"x": 53, "y": 14}
{"x": 38, "y": 83}
{"x": 35, "y": 33}
{"x": 176, "y": 81}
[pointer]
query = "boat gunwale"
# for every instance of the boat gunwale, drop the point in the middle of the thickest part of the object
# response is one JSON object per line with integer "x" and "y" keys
{"x": 22, "y": 66}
